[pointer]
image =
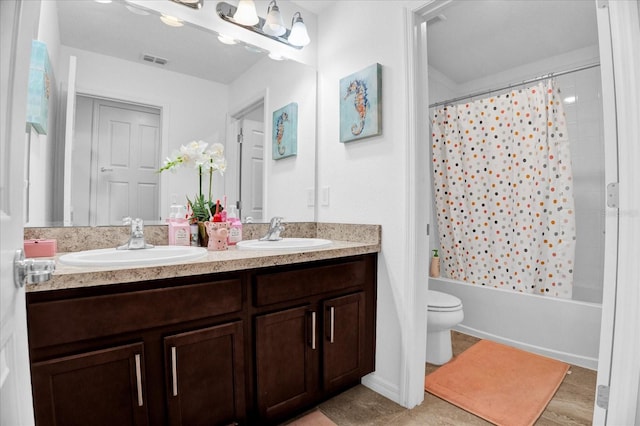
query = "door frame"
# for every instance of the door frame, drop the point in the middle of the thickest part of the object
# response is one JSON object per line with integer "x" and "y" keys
{"x": 624, "y": 304}
{"x": 165, "y": 118}
{"x": 94, "y": 173}
{"x": 233, "y": 149}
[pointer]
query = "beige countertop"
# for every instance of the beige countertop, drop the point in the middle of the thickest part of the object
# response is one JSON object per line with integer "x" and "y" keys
{"x": 361, "y": 239}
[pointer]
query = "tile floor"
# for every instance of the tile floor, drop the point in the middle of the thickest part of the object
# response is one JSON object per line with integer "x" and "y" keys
{"x": 571, "y": 405}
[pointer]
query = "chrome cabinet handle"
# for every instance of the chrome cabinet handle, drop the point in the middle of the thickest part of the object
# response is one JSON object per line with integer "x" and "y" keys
{"x": 332, "y": 323}
{"x": 139, "y": 380}
{"x": 106, "y": 169}
{"x": 313, "y": 330}
{"x": 174, "y": 370}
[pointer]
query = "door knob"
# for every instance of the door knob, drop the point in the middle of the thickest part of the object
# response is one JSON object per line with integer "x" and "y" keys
{"x": 106, "y": 169}
{"x": 31, "y": 271}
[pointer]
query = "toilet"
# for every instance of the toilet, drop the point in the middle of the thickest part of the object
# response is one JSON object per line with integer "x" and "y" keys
{"x": 444, "y": 312}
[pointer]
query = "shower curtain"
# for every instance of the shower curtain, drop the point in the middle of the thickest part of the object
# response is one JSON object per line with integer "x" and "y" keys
{"x": 503, "y": 191}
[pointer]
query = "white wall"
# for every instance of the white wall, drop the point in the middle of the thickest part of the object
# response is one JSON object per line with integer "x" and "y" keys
{"x": 368, "y": 179}
{"x": 192, "y": 109}
{"x": 288, "y": 180}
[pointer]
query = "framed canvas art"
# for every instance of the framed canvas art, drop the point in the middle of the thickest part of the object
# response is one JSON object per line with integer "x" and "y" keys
{"x": 39, "y": 87}
{"x": 285, "y": 131}
{"x": 361, "y": 104}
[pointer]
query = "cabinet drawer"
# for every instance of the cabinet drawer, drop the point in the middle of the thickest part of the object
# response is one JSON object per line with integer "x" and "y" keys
{"x": 290, "y": 285}
{"x": 71, "y": 320}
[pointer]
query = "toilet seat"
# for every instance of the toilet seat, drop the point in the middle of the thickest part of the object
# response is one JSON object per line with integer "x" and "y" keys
{"x": 443, "y": 302}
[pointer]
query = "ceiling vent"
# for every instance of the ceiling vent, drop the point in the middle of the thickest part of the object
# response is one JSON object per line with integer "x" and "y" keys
{"x": 154, "y": 59}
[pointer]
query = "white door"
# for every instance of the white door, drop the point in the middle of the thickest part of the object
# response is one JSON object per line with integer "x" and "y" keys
{"x": 18, "y": 26}
{"x": 128, "y": 147}
{"x": 251, "y": 185}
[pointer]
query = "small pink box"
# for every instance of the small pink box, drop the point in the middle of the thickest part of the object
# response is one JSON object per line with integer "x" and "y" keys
{"x": 40, "y": 248}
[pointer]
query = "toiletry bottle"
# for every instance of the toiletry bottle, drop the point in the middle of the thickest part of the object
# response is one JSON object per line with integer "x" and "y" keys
{"x": 434, "y": 271}
{"x": 194, "y": 234}
{"x": 223, "y": 213}
{"x": 179, "y": 231}
{"x": 235, "y": 226}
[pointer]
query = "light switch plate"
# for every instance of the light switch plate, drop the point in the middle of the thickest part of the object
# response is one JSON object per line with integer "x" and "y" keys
{"x": 324, "y": 194}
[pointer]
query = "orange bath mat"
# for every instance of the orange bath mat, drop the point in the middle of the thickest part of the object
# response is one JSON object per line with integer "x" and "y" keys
{"x": 501, "y": 384}
{"x": 315, "y": 418}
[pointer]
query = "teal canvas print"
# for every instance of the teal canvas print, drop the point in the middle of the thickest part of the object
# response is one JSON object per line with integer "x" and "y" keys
{"x": 39, "y": 88}
{"x": 285, "y": 131}
{"x": 361, "y": 104}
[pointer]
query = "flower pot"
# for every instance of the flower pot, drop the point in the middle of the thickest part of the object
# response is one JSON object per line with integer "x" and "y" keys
{"x": 203, "y": 237}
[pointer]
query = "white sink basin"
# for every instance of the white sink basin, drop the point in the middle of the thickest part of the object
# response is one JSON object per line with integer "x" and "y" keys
{"x": 284, "y": 244}
{"x": 113, "y": 257}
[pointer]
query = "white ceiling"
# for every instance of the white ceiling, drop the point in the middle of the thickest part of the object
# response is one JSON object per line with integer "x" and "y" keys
{"x": 478, "y": 37}
{"x": 111, "y": 29}
{"x": 482, "y": 37}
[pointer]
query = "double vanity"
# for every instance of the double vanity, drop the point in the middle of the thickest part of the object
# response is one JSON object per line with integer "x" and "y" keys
{"x": 251, "y": 335}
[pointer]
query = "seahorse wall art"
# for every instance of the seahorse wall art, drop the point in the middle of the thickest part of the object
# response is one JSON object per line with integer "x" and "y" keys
{"x": 358, "y": 88}
{"x": 285, "y": 131}
{"x": 361, "y": 104}
{"x": 279, "y": 129}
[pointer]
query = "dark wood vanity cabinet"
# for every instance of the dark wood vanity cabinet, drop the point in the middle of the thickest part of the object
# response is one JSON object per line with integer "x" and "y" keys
{"x": 314, "y": 334}
{"x": 252, "y": 347}
{"x": 295, "y": 345}
{"x": 158, "y": 352}
{"x": 204, "y": 371}
{"x": 104, "y": 387}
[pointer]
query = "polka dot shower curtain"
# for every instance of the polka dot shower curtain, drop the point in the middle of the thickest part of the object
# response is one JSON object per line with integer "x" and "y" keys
{"x": 504, "y": 193}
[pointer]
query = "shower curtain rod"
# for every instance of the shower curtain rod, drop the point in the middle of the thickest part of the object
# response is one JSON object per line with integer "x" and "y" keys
{"x": 532, "y": 80}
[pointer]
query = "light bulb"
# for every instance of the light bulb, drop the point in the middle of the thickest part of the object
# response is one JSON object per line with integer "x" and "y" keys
{"x": 246, "y": 13}
{"x": 299, "y": 36}
{"x": 274, "y": 25}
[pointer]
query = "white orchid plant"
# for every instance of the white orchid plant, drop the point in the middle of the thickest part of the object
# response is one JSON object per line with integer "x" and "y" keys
{"x": 195, "y": 154}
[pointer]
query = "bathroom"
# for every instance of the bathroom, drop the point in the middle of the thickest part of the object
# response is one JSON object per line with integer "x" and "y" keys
{"x": 347, "y": 42}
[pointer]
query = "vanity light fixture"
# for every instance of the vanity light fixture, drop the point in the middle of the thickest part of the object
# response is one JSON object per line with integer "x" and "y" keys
{"x": 246, "y": 13}
{"x": 196, "y": 4}
{"x": 297, "y": 37}
{"x": 274, "y": 25}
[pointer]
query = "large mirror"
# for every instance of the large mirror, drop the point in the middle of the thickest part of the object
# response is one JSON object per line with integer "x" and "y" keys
{"x": 127, "y": 90}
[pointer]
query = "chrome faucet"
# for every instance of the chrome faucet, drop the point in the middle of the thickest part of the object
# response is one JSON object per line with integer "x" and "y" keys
{"x": 136, "y": 239}
{"x": 275, "y": 228}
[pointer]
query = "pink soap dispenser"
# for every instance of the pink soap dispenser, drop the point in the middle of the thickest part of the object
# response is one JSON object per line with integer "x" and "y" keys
{"x": 235, "y": 226}
{"x": 179, "y": 230}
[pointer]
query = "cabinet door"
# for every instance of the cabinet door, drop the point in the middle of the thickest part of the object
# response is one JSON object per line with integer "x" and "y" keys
{"x": 104, "y": 387}
{"x": 344, "y": 340}
{"x": 287, "y": 344}
{"x": 205, "y": 376}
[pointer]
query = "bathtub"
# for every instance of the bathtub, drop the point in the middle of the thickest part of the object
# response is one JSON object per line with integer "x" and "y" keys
{"x": 567, "y": 330}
